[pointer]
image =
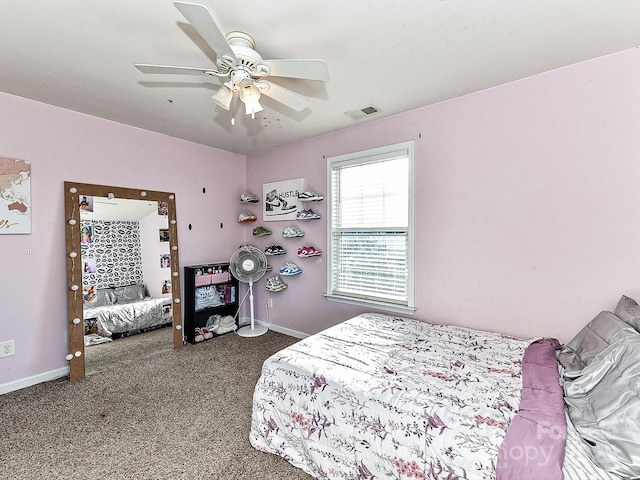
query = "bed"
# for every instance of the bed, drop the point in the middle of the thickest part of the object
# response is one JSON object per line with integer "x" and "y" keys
{"x": 118, "y": 311}
{"x": 383, "y": 397}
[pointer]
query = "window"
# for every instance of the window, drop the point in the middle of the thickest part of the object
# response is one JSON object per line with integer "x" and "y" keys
{"x": 370, "y": 227}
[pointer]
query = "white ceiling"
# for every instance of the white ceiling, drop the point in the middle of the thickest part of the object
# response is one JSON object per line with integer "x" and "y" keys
{"x": 398, "y": 55}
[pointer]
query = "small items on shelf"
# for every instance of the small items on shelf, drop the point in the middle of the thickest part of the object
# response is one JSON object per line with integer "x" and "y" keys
{"x": 248, "y": 197}
{"x": 202, "y": 334}
{"x": 245, "y": 217}
{"x": 261, "y": 231}
{"x": 309, "y": 197}
{"x": 307, "y": 214}
{"x": 275, "y": 284}
{"x": 275, "y": 249}
{"x": 292, "y": 232}
{"x": 210, "y": 290}
{"x": 308, "y": 251}
{"x": 290, "y": 269}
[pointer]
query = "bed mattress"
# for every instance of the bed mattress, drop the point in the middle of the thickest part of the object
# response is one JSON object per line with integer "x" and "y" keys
{"x": 387, "y": 397}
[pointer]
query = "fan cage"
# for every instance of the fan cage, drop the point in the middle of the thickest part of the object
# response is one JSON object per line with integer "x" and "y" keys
{"x": 248, "y": 264}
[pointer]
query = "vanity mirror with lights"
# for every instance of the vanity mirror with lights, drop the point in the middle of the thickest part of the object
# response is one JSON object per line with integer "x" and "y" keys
{"x": 74, "y": 196}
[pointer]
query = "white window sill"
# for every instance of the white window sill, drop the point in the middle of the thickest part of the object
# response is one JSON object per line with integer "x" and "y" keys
{"x": 387, "y": 307}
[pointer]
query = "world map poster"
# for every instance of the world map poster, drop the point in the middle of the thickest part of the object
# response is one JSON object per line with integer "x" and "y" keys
{"x": 15, "y": 196}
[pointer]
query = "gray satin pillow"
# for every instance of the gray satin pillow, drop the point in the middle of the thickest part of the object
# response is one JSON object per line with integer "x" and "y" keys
{"x": 130, "y": 293}
{"x": 628, "y": 311}
{"x": 603, "y": 401}
{"x": 105, "y": 296}
{"x": 597, "y": 335}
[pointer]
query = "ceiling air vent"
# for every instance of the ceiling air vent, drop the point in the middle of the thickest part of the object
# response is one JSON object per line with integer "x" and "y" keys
{"x": 367, "y": 111}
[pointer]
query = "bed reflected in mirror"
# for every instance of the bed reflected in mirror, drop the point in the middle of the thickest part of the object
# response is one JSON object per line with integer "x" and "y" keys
{"x": 122, "y": 269}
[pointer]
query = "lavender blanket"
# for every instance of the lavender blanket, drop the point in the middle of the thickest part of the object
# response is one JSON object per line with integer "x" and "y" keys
{"x": 534, "y": 445}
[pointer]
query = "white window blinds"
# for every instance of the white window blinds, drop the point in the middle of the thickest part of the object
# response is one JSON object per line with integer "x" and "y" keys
{"x": 370, "y": 226}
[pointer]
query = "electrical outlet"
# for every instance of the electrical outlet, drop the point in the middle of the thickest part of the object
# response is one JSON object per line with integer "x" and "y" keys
{"x": 269, "y": 302}
{"x": 7, "y": 348}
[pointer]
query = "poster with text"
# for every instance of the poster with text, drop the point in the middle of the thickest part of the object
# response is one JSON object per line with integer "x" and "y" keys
{"x": 281, "y": 200}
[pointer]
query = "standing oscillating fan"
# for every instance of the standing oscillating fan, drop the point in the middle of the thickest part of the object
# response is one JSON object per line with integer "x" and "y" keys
{"x": 248, "y": 264}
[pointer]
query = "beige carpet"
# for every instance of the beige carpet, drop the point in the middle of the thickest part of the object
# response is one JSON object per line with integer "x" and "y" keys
{"x": 145, "y": 411}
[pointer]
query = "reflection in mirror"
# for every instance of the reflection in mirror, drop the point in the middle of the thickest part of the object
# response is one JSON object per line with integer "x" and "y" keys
{"x": 140, "y": 227}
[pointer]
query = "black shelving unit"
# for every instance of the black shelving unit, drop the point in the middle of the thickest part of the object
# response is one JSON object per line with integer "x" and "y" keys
{"x": 210, "y": 289}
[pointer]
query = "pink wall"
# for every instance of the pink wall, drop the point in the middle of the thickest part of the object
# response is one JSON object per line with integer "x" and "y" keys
{"x": 526, "y": 203}
{"x": 63, "y": 145}
{"x": 525, "y": 215}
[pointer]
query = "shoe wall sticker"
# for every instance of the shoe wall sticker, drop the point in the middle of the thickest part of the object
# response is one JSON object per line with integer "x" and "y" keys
{"x": 281, "y": 200}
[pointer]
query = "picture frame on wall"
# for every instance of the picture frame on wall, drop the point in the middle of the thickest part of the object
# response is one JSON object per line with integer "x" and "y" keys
{"x": 89, "y": 294}
{"x": 280, "y": 199}
{"x": 15, "y": 201}
{"x": 86, "y": 234}
{"x": 163, "y": 209}
{"x": 89, "y": 266}
{"x": 86, "y": 203}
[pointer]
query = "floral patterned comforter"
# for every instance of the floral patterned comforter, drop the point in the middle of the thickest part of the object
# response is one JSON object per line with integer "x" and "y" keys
{"x": 381, "y": 397}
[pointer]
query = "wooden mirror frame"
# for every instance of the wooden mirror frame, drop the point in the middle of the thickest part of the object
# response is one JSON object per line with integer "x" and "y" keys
{"x": 75, "y": 318}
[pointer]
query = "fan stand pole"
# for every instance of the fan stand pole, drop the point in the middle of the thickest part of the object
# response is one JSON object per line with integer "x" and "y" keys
{"x": 252, "y": 330}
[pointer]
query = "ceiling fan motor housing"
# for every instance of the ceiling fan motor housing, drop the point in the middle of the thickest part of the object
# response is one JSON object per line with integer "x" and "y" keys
{"x": 247, "y": 58}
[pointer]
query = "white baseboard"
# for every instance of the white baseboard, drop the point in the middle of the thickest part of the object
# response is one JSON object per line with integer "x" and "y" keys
{"x": 283, "y": 330}
{"x": 29, "y": 381}
{"x": 61, "y": 372}
{"x": 275, "y": 328}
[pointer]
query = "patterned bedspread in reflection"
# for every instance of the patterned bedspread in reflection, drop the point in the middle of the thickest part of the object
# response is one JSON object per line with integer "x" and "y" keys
{"x": 130, "y": 316}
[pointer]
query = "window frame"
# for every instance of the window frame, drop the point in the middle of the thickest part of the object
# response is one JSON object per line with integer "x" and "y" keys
{"x": 363, "y": 157}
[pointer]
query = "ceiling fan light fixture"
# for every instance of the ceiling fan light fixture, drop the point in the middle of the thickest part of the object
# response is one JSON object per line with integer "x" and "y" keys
{"x": 250, "y": 96}
{"x": 245, "y": 83}
{"x": 253, "y": 108}
{"x": 223, "y": 97}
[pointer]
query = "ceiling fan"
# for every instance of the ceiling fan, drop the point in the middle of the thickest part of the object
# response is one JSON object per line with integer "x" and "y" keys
{"x": 245, "y": 69}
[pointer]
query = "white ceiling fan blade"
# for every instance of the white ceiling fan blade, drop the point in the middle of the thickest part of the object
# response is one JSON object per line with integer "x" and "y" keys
{"x": 146, "y": 68}
{"x": 200, "y": 18}
{"x": 307, "y": 69}
{"x": 283, "y": 95}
